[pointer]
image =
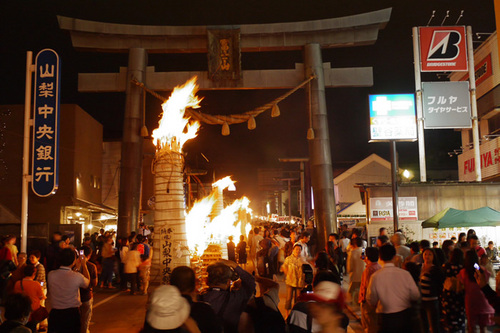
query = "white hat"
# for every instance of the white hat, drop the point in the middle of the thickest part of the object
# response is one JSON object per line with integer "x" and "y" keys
{"x": 168, "y": 309}
{"x": 325, "y": 292}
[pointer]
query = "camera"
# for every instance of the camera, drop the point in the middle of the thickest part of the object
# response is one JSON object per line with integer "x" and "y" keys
{"x": 363, "y": 254}
{"x": 308, "y": 273}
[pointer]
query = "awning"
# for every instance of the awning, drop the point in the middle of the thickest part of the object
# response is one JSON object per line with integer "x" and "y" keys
{"x": 455, "y": 218}
{"x": 354, "y": 210}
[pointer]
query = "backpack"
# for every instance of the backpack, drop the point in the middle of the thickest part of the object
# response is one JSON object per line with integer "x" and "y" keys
{"x": 265, "y": 319}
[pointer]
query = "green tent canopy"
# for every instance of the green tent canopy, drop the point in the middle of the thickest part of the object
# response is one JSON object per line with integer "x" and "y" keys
{"x": 455, "y": 218}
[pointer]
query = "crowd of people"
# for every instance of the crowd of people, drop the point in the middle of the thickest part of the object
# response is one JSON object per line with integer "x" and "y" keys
{"x": 399, "y": 287}
{"x": 67, "y": 276}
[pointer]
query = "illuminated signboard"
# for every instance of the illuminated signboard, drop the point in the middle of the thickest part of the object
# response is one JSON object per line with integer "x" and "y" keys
{"x": 381, "y": 209}
{"x": 392, "y": 117}
{"x": 446, "y": 105}
{"x": 443, "y": 49}
{"x": 46, "y": 123}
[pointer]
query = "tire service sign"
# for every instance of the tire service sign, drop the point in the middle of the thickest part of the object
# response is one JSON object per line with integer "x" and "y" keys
{"x": 443, "y": 49}
{"x": 46, "y": 123}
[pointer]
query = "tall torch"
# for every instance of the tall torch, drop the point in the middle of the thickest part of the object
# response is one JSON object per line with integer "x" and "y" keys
{"x": 170, "y": 243}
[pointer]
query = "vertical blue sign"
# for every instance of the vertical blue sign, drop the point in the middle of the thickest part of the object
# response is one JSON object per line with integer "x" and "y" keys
{"x": 46, "y": 123}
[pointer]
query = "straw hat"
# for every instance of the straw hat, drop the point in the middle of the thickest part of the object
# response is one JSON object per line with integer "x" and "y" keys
{"x": 168, "y": 309}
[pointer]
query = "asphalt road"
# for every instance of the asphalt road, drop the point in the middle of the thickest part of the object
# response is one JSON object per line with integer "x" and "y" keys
{"x": 116, "y": 311}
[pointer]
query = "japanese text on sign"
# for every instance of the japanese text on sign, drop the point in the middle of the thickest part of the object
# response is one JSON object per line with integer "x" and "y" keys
{"x": 446, "y": 105}
{"x": 45, "y": 123}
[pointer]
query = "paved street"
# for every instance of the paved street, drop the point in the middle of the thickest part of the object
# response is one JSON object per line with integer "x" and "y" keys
{"x": 116, "y": 311}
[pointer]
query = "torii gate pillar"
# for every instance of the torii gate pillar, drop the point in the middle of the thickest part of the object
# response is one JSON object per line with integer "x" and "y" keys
{"x": 319, "y": 148}
{"x": 131, "y": 154}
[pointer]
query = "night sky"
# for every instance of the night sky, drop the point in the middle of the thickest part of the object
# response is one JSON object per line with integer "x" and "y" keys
{"x": 32, "y": 25}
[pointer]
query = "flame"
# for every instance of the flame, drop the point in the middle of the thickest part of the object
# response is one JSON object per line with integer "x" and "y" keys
{"x": 224, "y": 183}
{"x": 201, "y": 231}
{"x": 174, "y": 130}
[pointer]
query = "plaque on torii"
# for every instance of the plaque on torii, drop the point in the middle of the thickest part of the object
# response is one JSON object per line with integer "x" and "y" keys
{"x": 309, "y": 36}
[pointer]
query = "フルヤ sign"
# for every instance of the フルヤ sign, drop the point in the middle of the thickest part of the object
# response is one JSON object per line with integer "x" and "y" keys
{"x": 446, "y": 105}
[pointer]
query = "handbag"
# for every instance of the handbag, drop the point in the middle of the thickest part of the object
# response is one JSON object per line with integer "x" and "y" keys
{"x": 39, "y": 314}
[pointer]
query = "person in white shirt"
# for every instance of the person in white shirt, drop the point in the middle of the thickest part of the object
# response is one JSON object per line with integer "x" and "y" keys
{"x": 64, "y": 292}
{"x": 305, "y": 255}
{"x": 355, "y": 267}
{"x": 392, "y": 290}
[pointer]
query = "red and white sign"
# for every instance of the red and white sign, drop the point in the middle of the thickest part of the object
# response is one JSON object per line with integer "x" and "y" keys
{"x": 381, "y": 209}
{"x": 483, "y": 70}
{"x": 443, "y": 49}
{"x": 490, "y": 161}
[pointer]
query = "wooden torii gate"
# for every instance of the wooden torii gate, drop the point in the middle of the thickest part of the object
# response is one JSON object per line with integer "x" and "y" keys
{"x": 309, "y": 36}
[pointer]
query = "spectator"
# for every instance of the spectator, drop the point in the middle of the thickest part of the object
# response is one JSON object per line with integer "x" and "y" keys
{"x": 474, "y": 245}
{"x": 294, "y": 277}
{"x": 289, "y": 245}
{"x": 431, "y": 285}
{"x": 323, "y": 262}
{"x": 64, "y": 293}
{"x": 228, "y": 303}
{"x": 255, "y": 246}
{"x": 313, "y": 240}
{"x": 168, "y": 311}
{"x": 231, "y": 254}
{"x": 34, "y": 259}
{"x": 414, "y": 251}
{"x": 368, "y": 314}
{"x": 435, "y": 245}
{"x": 242, "y": 252}
{"x": 132, "y": 261}
{"x": 479, "y": 312}
{"x": 107, "y": 254}
{"x": 447, "y": 247}
{"x": 32, "y": 289}
{"x": 327, "y": 307}
{"x": 10, "y": 244}
{"x": 305, "y": 255}
{"x": 382, "y": 240}
{"x": 335, "y": 251}
{"x": 452, "y": 298}
{"x": 86, "y": 295}
{"x": 124, "y": 248}
{"x": 383, "y": 232}
{"x": 490, "y": 294}
{"x": 262, "y": 314}
{"x": 492, "y": 252}
{"x": 424, "y": 244}
{"x": 300, "y": 319}
{"x": 462, "y": 237}
{"x": 391, "y": 290}
{"x": 17, "y": 313}
{"x": 18, "y": 274}
{"x": 355, "y": 267}
{"x": 399, "y": 240}
{"x": 145, "y": 266}
{"x": 184, "y": 279}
